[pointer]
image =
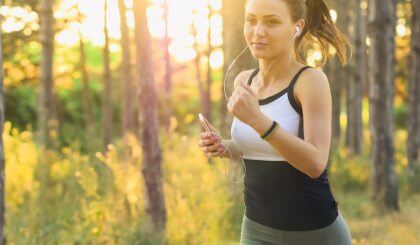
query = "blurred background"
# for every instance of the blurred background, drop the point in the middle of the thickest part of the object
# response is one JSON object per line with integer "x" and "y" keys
{"x": 100, "y": 129}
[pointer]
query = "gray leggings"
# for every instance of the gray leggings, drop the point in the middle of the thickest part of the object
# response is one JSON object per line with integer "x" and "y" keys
{"x": 254, "y": 233}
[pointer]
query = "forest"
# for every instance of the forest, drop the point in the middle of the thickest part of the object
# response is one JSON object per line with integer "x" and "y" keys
{"x": 99, "y": 109}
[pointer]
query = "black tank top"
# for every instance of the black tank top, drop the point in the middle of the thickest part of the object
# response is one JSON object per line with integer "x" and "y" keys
{"x": 280, "y": 196}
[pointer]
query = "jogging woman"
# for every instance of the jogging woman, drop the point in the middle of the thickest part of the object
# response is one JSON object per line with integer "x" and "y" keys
{"x": 282, "y": 126}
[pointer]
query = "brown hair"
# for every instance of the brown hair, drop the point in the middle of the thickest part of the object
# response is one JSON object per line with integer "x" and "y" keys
{"x": 321, "y": 29}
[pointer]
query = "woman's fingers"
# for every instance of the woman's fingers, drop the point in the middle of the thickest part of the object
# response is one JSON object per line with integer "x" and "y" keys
{"x": 208, "y": 142}
{"x": 212, "y": 148}
{"x": 216, "y": 153}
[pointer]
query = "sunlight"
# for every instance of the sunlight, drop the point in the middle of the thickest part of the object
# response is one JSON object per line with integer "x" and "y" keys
{"x": 182, "y": 16}
{"x": 317, "y": 55}
{"x": 401, "y": 28}
{"x": 333, "y": 14}
{"x": 16, "y": 18}
{"x": 216, "y": 59}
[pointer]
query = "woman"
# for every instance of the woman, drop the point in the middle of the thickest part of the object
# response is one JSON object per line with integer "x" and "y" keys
{"x": 282, "y": 126}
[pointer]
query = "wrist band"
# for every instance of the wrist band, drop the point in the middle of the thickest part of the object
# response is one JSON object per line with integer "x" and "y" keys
{"x": 270, "y": 130}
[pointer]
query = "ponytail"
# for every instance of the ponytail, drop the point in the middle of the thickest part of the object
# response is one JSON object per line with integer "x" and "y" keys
{"x": 321, "y": 29}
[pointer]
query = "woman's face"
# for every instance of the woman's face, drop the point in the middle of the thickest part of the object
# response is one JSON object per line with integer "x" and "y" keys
{"x": 268, "y": 22}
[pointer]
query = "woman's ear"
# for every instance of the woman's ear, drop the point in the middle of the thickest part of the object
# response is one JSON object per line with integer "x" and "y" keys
{"x": 301, "y": 24}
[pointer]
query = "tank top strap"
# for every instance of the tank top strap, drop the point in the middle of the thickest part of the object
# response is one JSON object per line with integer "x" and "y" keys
{"x": 253, "y": 75}
{"x": 295, "y": 78}
{"x": 292, "y": 100}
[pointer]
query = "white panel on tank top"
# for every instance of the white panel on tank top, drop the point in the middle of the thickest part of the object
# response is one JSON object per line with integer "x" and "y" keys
{"x": 250, "y": 142}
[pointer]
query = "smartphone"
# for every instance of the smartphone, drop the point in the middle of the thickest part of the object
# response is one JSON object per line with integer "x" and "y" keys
{"x": 201, "y": 117}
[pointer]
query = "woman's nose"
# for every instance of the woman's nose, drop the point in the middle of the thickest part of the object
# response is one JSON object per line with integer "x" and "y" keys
{"x": 259, "y": 30}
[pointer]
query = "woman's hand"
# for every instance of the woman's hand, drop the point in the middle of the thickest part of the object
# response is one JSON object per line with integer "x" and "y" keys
{"x": 243, "y": 104}
{"x": 210, "y": 142}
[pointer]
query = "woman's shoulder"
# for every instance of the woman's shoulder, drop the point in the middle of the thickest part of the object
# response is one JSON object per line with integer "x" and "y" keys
{"x": 311, "y": 80}
{"x": 312, "y": 77}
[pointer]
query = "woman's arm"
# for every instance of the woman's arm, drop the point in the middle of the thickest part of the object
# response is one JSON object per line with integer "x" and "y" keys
{"x": 310, "y": 155}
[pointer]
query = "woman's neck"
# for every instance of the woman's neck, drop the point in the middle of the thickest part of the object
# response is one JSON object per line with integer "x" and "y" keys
{"x": 279, "y": 70}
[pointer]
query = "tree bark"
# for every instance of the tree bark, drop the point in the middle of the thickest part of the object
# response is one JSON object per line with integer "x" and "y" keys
{"x": 152, "y": 159}
{"x": 330, "y": 70}
{"x": 87, "y": 100}
{"x": 207, "y": 99}
{"x": 350, "y": 92}
{"x": 46, "y": 121}
{"x": 2, "y": 158}
{"x": 168, "y": 71}
{"x": 201, "y": 89}
{"x": 413, "y": 135}
{"x": 337, "y": 75}
{"x": 381, "y": 79}
{"x": 106, "y": 95}
{"x": 335, "y": 81}
{"x": 356, "y": 125}
{"x": 128, "y": 94}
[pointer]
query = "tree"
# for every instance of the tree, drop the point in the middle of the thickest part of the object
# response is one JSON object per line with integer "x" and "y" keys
{"x": 152, "y": 156}
{"x": 106, "y": 95}
{"x": 128, "y": 90}
{"x": 201, "y": 88}
{"x": 355, "y": 92}
{"x": 2, "y": 163}
{"x": 168, "y": 69}
{"x": 381, "y": 81}
{"x": 87, "y": 101}
{"x": 207, "y": 95}
{"x": 355, "y": 76}
{"x": 413, "y": 135}
{"x": 335, "y": 75}
{"x": 46, "y": 114}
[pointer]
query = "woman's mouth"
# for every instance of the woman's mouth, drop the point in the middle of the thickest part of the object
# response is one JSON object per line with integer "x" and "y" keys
{"x": 259, "y": 45}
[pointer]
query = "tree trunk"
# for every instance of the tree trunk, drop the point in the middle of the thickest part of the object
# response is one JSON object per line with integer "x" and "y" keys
{"x": 168, "y": 71}
{"x": 46, "y": 121}
{"x": 356, "y": 138}
{"x": 233, "y": 15}
{"x": 128, "y": 94}
{"x": 106, "y": 95}
{"x": 2, "y": 160}
{"x": 330, "y": 70}
{"x": 87, "y": 100}
{"x": 207, "y": 99}
{"x": 385, "y": 191}
{"x": 335, "y": 81}
{"x": 340, "y": 73}
{"x": 201, "y": 89}
{"x": 152, "y": 159}
{"x": 413, "y": 135}
{"x": 350, "y": 92}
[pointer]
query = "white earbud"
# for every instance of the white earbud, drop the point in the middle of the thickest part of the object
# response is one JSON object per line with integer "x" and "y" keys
{"x": 297, "y": 33}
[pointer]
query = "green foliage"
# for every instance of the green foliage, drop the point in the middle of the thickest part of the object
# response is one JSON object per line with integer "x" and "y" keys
{"x": 21, "y": 106}
{"x": 400, "y": 116}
